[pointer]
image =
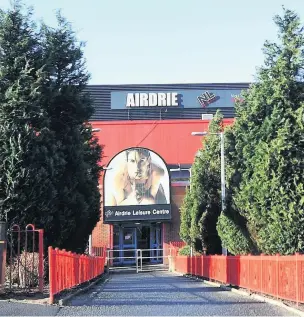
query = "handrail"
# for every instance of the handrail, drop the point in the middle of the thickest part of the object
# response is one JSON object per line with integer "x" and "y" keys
{"x": 138, "y": 256}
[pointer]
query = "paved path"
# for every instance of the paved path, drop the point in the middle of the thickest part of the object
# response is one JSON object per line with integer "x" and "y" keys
{"x": 20, "y": 309}
{"x": 151, "y": 294}
{"x": 165, "y": 294}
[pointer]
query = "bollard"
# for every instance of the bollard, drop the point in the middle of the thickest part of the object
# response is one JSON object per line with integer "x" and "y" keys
{"x": 3, "y": 246}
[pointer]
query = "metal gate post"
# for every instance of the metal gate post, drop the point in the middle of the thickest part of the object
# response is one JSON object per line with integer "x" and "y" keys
{"x": 41, "y": 266}
{"x": 108, "y": 258}
{"x": 3, "y": 228}
{"x": 136, "y": 260}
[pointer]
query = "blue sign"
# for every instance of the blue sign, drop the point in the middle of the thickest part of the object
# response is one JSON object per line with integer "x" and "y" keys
{"x": 210, "y": 98}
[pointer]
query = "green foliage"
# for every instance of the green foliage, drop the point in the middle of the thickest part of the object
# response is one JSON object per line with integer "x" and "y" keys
{"x": 26, "y": 146}
{"x": 185, "y": 217}
{"x": 233, "y": 236}
{"x": 186, "y": 250}
{"x": 78, "y": 203}
{"x": 266, "y": 155}
{"x": 202, "y": 204}
{"x": 232, "y": 226}
{"x": 49, "y": 162}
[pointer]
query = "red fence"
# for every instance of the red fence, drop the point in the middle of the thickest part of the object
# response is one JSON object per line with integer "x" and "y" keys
{"x": 25, "y": 251}
{"x": 174, "y": 246}
{"x": 279, "y": 276}
{"x": 67, "y": 269}
{"x": 177, "y": 244}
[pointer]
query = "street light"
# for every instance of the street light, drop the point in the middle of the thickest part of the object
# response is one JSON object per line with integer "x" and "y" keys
{"x": 96, "y": 129}
{"x": 223, "y": 187}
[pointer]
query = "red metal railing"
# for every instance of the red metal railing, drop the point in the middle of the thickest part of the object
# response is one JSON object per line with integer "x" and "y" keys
{"x": 67, "y": 269}
{"x": 278, "y": 276}
{"x": 177, "y": 244}
{"x": 26, "y": 258}
{"x": 174, "y": 246}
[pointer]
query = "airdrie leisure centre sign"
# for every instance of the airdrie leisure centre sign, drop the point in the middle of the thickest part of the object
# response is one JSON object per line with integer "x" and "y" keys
{"x": 187, "y": 98}
{"x": 136, "y": 187}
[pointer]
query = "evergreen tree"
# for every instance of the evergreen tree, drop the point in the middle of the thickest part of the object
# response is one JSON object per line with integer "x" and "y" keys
{"x": 49, "y": 163}
{"x": 202, "y": 204}
{"x": 27, "y": 151}
{"x": 232, "y": 225}
{"x": 268, "y": 158}
{"x": 69, "y": 109}
{"x": 185, "y": 217}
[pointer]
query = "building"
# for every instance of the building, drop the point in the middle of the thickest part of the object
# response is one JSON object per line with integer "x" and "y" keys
{"x": 145, "y": 131}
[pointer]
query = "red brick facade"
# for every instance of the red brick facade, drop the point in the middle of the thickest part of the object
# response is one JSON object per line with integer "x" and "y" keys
{"x": 101, "y": 235}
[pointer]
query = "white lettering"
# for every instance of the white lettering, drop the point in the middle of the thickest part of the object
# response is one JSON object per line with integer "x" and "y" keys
{"x": 160, "y": 212}
{"x": 168, "y": 99}
{"x": 137, "y": 100}
{"x": 161, "y": 99}
{"x": 130, "y": 100}
{"x": 141, "y": 212}
{"x": 152, "y": 99}
{"x": 144, "y": 100}
{"x": 174, "y": 99}
{"x": 122, "y": 213}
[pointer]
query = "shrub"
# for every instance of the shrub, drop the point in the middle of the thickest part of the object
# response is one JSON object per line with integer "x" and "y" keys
{"x": 186, "y": 250}
{"x": 26, "y": 273}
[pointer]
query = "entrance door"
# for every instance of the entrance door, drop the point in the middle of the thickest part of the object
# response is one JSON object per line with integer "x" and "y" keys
{"x": 116, "y": 254}
{"x": 129, "y": 245}
{"x": 143, "y": 241}
{"x": 156, "y": 244}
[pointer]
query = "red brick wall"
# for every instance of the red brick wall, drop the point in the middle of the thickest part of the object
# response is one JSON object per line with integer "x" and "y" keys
{"x": 171, "y": 229}
{"x": 102, "y": 233}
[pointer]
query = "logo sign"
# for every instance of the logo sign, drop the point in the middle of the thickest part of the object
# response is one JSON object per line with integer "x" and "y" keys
{"x": 206, "y": 98}
{"x": 136, "y": 187}
{"x": 178, "y": 99}
{"x": 152, "y": 99}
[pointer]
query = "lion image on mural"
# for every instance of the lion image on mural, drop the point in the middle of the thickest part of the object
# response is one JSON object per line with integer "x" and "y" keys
{"x": 137, "y": 180}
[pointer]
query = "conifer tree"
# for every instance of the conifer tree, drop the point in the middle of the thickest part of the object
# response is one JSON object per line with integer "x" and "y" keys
{"x": 49, "y": 158}
{"x": 27, "y": 149}
{"x": 69, "y": 109}
{"x": 268, "y": 157}
{"x": 202, "y": 204}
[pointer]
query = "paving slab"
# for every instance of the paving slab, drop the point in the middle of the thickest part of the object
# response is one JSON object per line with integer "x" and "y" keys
{"x": 165, "y": 294}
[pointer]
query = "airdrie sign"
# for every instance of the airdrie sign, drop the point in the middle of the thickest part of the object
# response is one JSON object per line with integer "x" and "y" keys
{"x": 174, "y": 99}
{"x": 152, "y": 99}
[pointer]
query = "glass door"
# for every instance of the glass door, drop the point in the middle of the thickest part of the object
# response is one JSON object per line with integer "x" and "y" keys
{"x": 116, "y": 253}
{"x": 129, "y": 245}
{"x": 156, "y": 243}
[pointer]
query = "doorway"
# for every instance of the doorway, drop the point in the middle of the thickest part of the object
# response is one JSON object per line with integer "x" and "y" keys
{"x": 156, "y": 244}
{"x": 130, "y": 237}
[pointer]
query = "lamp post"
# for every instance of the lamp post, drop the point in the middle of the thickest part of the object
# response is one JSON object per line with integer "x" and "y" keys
{"x": 223, "y": 187}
